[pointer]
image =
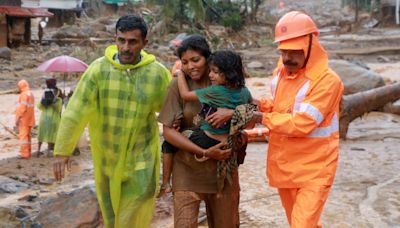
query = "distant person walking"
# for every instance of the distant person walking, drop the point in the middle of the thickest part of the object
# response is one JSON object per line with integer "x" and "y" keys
{"x": 25, "y": 118}
{"x": 42, "y": 24}
{"x": 118, "y": 96}
{"x": 50, "y": 107}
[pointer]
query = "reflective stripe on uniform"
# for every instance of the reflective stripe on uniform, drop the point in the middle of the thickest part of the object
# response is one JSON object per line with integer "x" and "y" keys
{"x": 326, "y": 131}
{"x": 312, "y": 111}
{"x": 274, "y": 83}
{"x": 300, "y": 96}
{"x": 25, "y": 103}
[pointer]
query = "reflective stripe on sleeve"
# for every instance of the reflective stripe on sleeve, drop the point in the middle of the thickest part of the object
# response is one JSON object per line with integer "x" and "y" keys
{"x": 25, "y": 103}
{"x": 312, "y": 111}
{"x": 274, "y": 83}
{"x": 300, "y": 96}
{"x": 326, "y": 131}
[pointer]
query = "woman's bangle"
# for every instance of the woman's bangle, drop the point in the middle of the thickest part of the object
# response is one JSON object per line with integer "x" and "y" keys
{"x": 202, "y": 159}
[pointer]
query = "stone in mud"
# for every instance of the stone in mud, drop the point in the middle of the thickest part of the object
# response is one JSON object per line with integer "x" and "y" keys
{"x": 255, "y": 65}
{"x": 8, "y": 218}
{"x": 8, "y": 185}
{"x": 78, "y": 208}
{"x": 5, "y": 53}
{"x": 355, "y": 78}
{"x": 20, "y": 213}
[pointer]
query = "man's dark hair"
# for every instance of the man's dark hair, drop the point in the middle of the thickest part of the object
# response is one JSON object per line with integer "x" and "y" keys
{"x": 131, "y": 22}
{"x": 196, "y": 43}
{"x": 230, "y": 64}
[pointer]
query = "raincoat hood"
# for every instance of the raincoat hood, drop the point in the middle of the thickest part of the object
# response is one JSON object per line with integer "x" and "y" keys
{"x": 23, "y": 85}
{"x": 318, "y": 60}
{"x": 112, "y": 50}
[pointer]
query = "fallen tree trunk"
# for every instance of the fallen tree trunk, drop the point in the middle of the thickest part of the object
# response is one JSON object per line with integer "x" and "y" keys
{"x": 356, "y": 105}
{"x": 392, "y": 108}
{"x": 11, "y": 91}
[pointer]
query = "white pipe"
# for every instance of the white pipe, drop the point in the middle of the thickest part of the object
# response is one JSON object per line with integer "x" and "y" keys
{"x": 397, "y": 12}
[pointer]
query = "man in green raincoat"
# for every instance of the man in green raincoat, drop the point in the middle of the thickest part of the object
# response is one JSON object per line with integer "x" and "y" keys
{"x": 118, "y": 96}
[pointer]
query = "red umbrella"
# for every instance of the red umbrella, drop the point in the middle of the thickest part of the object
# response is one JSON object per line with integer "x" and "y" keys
{"x": 63, "y": 64}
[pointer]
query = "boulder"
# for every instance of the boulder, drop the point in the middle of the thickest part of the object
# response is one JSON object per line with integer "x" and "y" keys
{"x": 5, "y": 53}
{"x": 74, "y": 32}
{"x": 8, "y": 218}
{"x": 255, "y": 65}
{"x": 8, "y": 185}
{"x": 78, "y": 208}
{"x": 355, "y": 78}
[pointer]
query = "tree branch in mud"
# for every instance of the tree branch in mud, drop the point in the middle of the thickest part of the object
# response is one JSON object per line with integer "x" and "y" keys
{"x": 356, "y": 105}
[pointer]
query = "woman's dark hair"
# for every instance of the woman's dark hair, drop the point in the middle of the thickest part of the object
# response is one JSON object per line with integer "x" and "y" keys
{"x": 131, "y": 22}
{"x": 230, "y": 64}
{"x": 51, "y": 83}
{"x": 196, "y": 43}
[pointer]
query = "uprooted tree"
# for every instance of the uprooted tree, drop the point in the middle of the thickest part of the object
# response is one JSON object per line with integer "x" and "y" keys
{"x": 356, "y": 105}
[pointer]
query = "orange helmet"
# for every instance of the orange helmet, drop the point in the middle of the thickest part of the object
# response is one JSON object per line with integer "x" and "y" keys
{"x": 294, "y": 24}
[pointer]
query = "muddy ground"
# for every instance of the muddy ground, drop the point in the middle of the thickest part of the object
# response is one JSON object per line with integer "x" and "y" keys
{"x": 366, "y": 192}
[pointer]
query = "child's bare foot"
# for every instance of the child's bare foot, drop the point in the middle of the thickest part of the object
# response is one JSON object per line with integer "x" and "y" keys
{"x": 164, "y": 190}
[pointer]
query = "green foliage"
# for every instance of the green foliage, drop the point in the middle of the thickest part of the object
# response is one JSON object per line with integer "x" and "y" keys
{"x": 362, "y": 4}
{"x": 226, "y": 14}
{"x": 216, "y": 42}
{"x": 181, "y": 10}
{"x": 233, "y": 21}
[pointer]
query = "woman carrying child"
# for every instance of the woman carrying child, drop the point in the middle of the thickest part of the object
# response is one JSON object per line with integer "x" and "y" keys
{"x": 194, "y": 178}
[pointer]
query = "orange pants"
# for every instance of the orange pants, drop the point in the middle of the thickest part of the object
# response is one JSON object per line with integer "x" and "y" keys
{"x": 25, "y": 138}
{"x": 304, "y": 206}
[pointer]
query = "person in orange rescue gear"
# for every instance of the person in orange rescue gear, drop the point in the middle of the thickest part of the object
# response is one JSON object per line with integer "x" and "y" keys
{"x": 25, "y": 118}
{"x": 303, "y": 119}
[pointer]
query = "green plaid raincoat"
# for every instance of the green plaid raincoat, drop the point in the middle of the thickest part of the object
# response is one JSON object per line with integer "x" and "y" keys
{"x": 119, "y": 102}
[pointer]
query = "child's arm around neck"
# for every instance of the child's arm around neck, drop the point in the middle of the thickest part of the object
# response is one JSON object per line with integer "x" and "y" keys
{"x": 184, "y": 91}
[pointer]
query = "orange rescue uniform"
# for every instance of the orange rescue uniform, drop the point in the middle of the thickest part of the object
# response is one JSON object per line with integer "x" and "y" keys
{"x": 25, "y": 118}
{"x": 303, "y": 119}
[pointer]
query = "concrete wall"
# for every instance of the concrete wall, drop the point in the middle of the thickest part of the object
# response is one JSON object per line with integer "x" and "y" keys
{"x": 52, "y": 4}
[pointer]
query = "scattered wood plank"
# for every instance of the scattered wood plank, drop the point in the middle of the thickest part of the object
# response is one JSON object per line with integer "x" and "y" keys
{"x": 365, "y": 51}
{"x": 9, "y": 130}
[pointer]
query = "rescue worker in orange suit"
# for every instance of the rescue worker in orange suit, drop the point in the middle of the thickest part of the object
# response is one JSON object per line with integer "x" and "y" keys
{"x": 303, "y": 119}
{"x": 25, "y": 118}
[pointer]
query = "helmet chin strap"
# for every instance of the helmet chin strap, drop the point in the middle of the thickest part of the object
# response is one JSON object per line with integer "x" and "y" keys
{"x": 309, "y": 50}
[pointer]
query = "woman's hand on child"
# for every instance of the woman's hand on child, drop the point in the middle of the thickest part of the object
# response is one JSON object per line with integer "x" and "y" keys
{"x": 215, "y": 152}
{"x": 221, "y": 116}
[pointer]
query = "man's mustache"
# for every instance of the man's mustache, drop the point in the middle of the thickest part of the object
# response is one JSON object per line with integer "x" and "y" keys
{"x": 290, "y": 63}
{"x": 128, "y": 54}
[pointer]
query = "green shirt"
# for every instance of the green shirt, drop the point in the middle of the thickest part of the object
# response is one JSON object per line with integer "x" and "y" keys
{"x": 218, "y": 96}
